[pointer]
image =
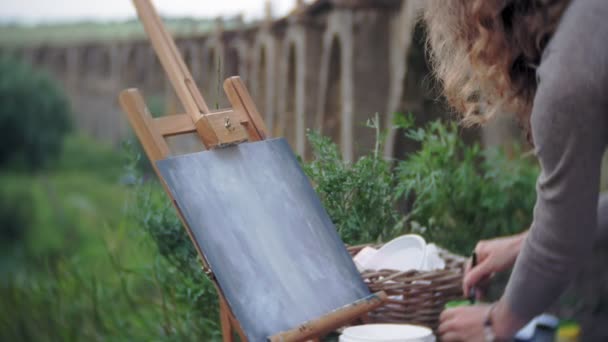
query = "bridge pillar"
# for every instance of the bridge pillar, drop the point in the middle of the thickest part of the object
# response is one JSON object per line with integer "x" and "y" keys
{"x": 298, "y": 83}
{"x": 372, "y": 69}
{"x": 335, "y": 102}
{"x": 402, "y": 37}
{"x": 263, "y": 77}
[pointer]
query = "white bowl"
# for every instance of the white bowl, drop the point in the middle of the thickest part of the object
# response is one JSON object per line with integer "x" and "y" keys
{"x": 387, "y": 333}
{"x": 407, "y": 252}
{"x": 363, "y": 257}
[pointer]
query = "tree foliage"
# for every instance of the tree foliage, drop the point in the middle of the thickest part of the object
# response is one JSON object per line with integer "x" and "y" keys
{"x": 360, "y": 197}
{"x": 464, "y": 193}
{"x": 34, "y": 116}
{"x": 459, "y": 192}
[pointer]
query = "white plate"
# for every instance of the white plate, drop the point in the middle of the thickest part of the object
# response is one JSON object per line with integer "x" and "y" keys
{"x": 407, "y": 252}
{"x": 363, "y": 257}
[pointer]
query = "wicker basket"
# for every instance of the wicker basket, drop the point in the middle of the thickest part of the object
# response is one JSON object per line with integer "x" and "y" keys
{"x": 415, "y": 297}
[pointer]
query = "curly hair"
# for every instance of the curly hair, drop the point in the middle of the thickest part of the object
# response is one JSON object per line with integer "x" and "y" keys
{"x": 485, "y": 53}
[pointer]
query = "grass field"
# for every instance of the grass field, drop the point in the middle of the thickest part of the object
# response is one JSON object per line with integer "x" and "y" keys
{"x": 78, "y": 267}
{"x": 76, "y": 264}
{"x": 16, "y": 35}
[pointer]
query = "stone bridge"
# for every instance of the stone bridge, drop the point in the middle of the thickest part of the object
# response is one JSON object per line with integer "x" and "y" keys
{"x": 329, "y": 65}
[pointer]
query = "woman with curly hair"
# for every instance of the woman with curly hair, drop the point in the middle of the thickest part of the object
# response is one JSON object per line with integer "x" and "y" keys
{"x": 546, "y": 61}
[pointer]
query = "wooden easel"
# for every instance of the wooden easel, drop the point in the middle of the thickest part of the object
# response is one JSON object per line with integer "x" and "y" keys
{"x": 241, "y": 123}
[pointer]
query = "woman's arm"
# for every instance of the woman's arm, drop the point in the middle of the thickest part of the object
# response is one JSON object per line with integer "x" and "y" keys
{"x": 569, "y": 126}
{"x": 570, "y": 132}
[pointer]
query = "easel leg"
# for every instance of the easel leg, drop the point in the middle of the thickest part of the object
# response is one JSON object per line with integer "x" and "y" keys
{"x": 225, "y": 321}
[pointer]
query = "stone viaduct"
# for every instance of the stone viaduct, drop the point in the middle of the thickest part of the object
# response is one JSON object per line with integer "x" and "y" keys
{"x": 329, "y": 65}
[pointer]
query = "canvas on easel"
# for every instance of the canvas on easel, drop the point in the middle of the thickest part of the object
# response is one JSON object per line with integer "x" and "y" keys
{"x": 281, "y": 270}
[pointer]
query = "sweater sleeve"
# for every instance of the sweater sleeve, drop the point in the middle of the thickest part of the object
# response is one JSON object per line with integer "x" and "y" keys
{"x": 569, "y": 129}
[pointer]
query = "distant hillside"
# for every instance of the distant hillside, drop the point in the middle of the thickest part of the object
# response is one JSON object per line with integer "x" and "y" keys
{"x": 66, "y": 33}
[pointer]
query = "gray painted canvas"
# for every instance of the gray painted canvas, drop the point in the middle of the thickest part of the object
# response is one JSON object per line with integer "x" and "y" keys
{"x": 266, "y": 236}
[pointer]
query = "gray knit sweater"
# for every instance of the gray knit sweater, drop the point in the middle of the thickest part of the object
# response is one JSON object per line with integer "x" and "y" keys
{"x": 570, "y": 131}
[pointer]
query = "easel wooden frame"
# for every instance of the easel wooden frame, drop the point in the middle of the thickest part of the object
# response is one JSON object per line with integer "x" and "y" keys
{"x": 239, "y": 124}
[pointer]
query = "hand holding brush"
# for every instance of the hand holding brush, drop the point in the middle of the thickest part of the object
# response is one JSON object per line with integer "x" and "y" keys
{"x": 490, "y": 257}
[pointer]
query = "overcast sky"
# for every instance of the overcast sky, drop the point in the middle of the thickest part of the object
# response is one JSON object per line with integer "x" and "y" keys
{"x": 33, "y": 11}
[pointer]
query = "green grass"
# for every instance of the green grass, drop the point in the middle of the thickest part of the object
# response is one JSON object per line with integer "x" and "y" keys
{"x": 69, "y": 33}
{"x": 79, "y": 267}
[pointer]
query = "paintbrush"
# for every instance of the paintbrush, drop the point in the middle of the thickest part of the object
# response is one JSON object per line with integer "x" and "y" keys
{"x": 472, "y": 290}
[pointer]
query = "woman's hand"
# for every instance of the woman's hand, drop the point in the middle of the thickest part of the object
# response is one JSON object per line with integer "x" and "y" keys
{"x": 493, "y": 256}
{"x": 467, "y": 323}
{"x": 463, "y": 323}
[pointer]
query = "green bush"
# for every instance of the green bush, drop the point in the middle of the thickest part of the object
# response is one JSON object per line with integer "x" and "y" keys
{"x": 154, "y": 213}
{"x": 463, "y": 193}
{"x": 15, "y": 214}
{"x": 360, "y": 198}
{"x": 459, "y": 193}
{"x": 82, "y": 267}
{"x": 34, "y": 115}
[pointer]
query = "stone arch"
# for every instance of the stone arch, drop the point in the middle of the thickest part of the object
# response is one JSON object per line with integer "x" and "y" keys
{"x": 331, "y": 123}
{"x": 96, "y": 62}
{"x": 262, "y": 79}
{"x": 153, "y": 73}
{"x": 338, "y": 48}
{"x": 213, "y": 76}
{"x": 213, "y": 71}
{"x": 60, "y": 62}
{"x": 143, "y": 68}
{"x": 154, "y": 78}
{"x": 416, "y": 96}
{"x": 87, "y": 61}
{"x": 40, "y": 57}
{"x": 402, "y": 37}
{"x": 104, "y": 60}
{"x": 232, "y": 61}
{"x": 420, "y": 95}
{"x": 116, "y": 52}
{"x": 293, "y": 93}
{"x": 243, "y": 51}
{"x": 129, "y": 74}
{"x": 74, "y": 59}
{"x": 136, "y": 69}
{"x": 189, "y": 55}
{"x": 290, "y": 113}
{"x": 95, "y": 69}
{"x": 57, "y": 64}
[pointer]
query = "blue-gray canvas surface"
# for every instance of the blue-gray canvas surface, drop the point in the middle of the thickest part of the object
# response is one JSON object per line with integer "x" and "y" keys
{"x": 266, "y": 236}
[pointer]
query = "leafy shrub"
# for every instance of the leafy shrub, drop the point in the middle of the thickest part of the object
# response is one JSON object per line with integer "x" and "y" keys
{"x": 459, "y": 192}
{"x": 360, "y": 197}
{"x": 463, "y": 193}
{"x": 155, "y": 214}
{"x": 34, "y": 115}
{"x": 15, "y": 214}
